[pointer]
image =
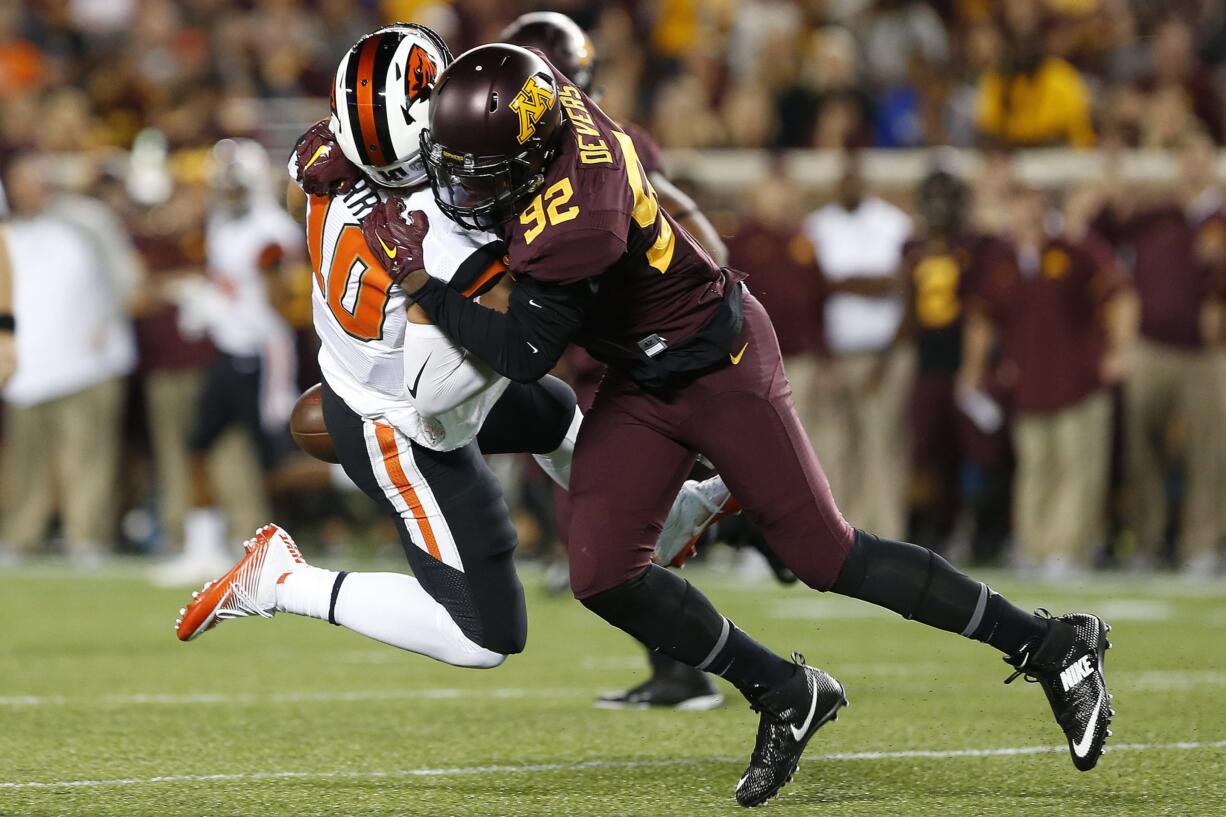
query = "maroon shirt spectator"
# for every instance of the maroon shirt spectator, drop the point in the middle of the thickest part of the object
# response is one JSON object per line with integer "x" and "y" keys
{"x": 1177, "y": 264}
{"x": 157, "y": 333}
{"x": 1047, "y": 309}
{"x": 783, "y": 275}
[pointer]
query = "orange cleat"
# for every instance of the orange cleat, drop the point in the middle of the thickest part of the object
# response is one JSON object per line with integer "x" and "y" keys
{"x": 248, "y": 589}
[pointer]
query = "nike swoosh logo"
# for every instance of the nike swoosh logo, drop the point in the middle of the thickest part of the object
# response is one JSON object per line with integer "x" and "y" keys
{"x": 799, "y": 734}
{"x": 417, "y": 381}
{"x": 533, "y": 348}
{"x": 390, "y": 252}
{"x": 737, "y": 357}
{"x": 1082, "y": 747}
{"x": 320, "y": 152}
{"x": 534, "y": 303}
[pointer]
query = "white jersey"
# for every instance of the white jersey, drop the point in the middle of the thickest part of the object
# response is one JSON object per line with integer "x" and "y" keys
{"x": 362, "y": 318}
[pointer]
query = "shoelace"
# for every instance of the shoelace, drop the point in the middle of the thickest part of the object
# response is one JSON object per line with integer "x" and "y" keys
{"x": 1021, "y": 667}
{"x": 239, "y": 596}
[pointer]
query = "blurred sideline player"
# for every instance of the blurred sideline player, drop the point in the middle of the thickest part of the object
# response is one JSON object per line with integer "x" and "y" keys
{"x": 247, "y": 234}
{"x": 410, "y": 414}
{"x": 671, "y": 683}
{"x": 940, "y": 264}
{"x": 693, "y": 366}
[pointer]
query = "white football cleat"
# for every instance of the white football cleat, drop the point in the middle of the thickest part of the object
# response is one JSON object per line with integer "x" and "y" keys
{"x": 698, "y": 506}
{"x": 249, "y": 589}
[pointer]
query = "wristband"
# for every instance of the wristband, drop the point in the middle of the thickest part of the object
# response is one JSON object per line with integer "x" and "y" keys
{"x": 7, "y": 322}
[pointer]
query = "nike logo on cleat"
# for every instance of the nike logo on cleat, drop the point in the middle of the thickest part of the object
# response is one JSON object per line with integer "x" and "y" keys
{"x": 1076, "y": 672}
{"x": 799, "y": 734}
{"x": 1082, "y": 747}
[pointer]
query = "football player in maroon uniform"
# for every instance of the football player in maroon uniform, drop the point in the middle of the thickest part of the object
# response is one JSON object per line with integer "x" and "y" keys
{"x": 567, "y": 46}
{"x": 693, "y": 366}
{"x": 940, "y": 266}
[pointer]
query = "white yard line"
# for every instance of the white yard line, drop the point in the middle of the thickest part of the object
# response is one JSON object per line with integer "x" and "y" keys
{"x": 1150, "y": 681}
{"x": 933, "y": 754}
{"x": 142, "y": 698}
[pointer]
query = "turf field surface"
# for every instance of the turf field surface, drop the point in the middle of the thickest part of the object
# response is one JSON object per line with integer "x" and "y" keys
{"x": 104, "y": 712}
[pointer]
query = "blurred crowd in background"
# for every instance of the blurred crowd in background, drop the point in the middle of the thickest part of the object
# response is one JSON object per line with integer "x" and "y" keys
{"x": 88, "y": 74}
{"x": 1015, "y": 376}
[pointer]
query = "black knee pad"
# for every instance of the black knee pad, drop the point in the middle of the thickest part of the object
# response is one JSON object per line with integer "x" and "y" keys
{"x": 664, "y": 612}
{"x": 910, "y": 580}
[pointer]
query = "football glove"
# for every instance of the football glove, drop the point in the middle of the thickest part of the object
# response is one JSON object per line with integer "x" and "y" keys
{"x": 395, "y": 236}
{"x": 319, "y": 166}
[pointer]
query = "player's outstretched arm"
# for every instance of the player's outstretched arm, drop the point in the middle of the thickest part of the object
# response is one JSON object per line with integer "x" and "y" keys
{"x": 523, "y": 343}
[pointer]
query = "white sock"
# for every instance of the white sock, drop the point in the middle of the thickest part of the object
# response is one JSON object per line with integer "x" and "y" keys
{"x": 388, "y": 607}
{"x": 557, "y": 462}
{"x": 306, "y": 592}
{"x": 204, "y": 533}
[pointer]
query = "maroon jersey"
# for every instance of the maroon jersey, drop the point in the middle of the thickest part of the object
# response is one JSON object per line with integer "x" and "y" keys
{"x": 783, "y": 270}
{"x": 1177, "y": 263}
{"x": 597, "y": 218}
{"x": 1047, "y": 310}
{"x": 939, "y": 275}
{"x": 161, "y": 344}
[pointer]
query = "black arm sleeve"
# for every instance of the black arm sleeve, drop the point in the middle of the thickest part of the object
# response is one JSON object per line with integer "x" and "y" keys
{"x": 524, "y": 343}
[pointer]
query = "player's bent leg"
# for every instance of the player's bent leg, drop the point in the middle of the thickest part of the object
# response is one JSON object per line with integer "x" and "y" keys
{"x": 272, "y": 577}
{"x": 465, "y": 604}
{"x": 749, "y": 428}
{"x": 625, "y": 474}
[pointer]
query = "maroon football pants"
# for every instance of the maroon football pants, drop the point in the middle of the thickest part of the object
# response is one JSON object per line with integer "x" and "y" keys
{"x": 634, "y": 451}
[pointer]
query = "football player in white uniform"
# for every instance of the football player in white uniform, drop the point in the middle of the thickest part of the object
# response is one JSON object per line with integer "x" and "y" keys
{"x": 409, "y": 412}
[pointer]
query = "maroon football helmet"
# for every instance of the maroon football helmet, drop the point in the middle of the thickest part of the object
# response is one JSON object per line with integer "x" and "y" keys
{"x": 495, "y": 122}
{"x": 560, "y": 39}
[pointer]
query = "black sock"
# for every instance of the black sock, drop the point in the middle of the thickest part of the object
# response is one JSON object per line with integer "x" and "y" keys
{"x": 918, "y": 584}
{"x": 672, "y": 617}
{"x": 1006, "y": 626}
{"x": 665, "y": 668}
{"x": 747, "y": 665}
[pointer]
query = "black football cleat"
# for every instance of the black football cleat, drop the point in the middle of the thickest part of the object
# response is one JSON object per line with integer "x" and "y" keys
{"x": 1068, "y": 664}
{"x": 666, "y": 692}
{"x": 789, "y": 717}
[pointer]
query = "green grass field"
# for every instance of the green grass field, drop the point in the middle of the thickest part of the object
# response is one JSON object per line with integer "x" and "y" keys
{"x": 103, "y": 712}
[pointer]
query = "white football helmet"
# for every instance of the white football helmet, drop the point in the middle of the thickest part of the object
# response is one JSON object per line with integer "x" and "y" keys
{"x": 381, "y": 101}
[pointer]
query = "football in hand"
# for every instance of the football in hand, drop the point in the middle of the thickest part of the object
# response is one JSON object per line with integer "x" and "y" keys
{"x": 306, "y": 424}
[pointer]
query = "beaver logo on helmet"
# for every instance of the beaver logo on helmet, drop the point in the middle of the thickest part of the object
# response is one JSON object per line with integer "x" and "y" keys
{"x": 421, "y": 74}
{"x": 531, "y": 103}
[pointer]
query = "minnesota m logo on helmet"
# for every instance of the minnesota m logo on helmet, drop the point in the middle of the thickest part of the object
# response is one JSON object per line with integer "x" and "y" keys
{"x": 530, "y": 104}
